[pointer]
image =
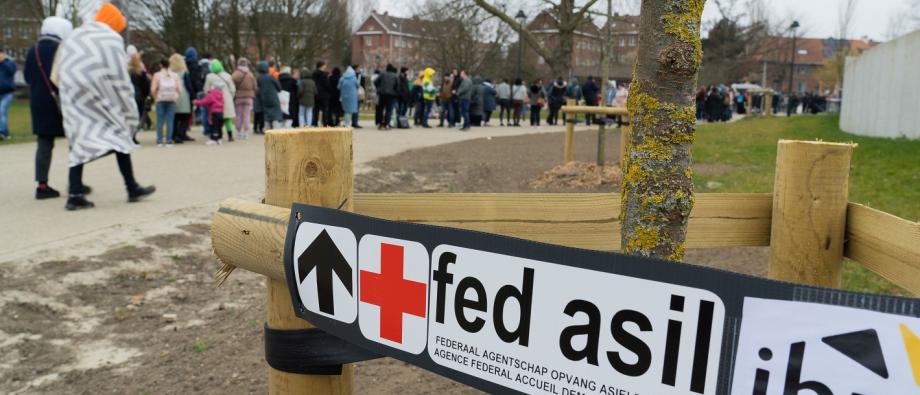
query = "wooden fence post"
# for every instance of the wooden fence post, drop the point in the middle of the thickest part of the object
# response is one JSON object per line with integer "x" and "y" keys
{"x": 601, "y": 141}
{"x": 569, "y": 133}
{"x": 315, "y": 167}
{"x": 809, "y": 212}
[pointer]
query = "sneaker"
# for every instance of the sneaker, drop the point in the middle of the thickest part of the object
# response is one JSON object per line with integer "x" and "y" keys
{"x": 46, "y": 193}
{"x": 78, "y": 202}
{"x": 140, "y": 192}
{"x": 160, "y": 145}
{"x": 170, "y": 144}
{"x": 211, "y": 142}
{"x": 87, "y": 190}
{"x": 179, "y": 141}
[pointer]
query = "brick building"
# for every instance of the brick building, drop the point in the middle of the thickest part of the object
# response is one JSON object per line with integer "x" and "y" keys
{"x": 384, "y": 38}
{"x": 811, "y": 55}
{"x": 19, "y": 29}
{"x": 588, "y": 45}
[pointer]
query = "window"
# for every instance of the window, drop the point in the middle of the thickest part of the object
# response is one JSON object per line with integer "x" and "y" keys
{"x": 540, "y": 60}
{"x": 622, "y": 41}
{"x": 26, "y": 32}
{"x": 632, "y": 41}
{"x": 369, "y": 41}
{"x": 803, "y": 52}
{"x": 8, "y": 31}
{"x": 803, "y": 70}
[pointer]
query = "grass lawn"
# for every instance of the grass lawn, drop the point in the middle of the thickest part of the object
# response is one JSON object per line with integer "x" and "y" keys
{"x": 20, "y": 123}
{"x": 885, "y": 173}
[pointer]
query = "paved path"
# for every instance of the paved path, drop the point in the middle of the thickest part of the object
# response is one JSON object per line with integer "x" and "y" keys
{"x": 185, "y": 176}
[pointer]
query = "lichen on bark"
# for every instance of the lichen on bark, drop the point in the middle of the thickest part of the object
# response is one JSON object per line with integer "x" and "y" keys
{"x": 657, "y": 191}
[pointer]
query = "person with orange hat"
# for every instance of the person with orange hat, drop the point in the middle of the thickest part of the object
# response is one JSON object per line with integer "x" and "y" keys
{"x": 97, "y": 102}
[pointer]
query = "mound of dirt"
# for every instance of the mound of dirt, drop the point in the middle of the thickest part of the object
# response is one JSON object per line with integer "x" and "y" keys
{"x": 578, "y": 175}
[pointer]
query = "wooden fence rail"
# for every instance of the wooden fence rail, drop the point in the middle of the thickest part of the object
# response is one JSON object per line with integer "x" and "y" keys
{"x": 885, "y": 244}
{"x": 807, "y": 222}
{"x": 251, "y": 235}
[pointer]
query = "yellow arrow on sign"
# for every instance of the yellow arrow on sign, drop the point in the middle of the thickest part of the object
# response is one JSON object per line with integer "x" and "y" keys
{"x": 912, "y": 345}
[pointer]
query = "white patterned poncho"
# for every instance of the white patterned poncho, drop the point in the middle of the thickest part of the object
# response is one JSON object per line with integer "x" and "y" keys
{"x": 97, "y": 98}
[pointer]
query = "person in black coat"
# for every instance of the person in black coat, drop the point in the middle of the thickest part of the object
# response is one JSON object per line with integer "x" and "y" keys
{"x": 590, "y": 92}
{"x": 335, "y": 103}
{"x": 47, "y": 121}
{"x": 403, "y": 91}
{"x": 714, "y": 105}
{"x": 556, "y": 100}
{"x": 387, "y": 92}
{"x": 321, "y": 105}
{"x": 289, "y": 85}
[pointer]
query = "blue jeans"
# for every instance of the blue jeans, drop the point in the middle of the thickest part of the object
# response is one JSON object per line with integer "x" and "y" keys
{"x": 392, "y": 114}
{"x": 447, "y": 112}
{"x": 205, "y": 119}
{"x": 166, "y": 112}
{"x": 306, "y": 116}
{"x": 465, "y": 112}
{"x": 5, "y": 101}
{"x": 426, "y": 109}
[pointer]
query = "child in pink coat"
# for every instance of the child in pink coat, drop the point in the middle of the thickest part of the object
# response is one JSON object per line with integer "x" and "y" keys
{"x": 214, "y": 101}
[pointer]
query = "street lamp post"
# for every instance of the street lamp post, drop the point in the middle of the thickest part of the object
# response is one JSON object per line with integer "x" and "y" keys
{"x": 521, "y": 17}
{"x": 795, "y": 25}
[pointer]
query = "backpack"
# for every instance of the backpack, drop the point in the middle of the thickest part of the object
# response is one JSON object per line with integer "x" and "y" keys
{"x": 168, "y": 89}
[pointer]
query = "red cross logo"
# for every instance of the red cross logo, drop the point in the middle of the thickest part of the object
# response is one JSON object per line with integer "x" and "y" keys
{"x": 392, "y": 293}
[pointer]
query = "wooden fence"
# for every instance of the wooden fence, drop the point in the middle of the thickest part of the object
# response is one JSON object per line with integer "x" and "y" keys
{"x": 807, "y": 222}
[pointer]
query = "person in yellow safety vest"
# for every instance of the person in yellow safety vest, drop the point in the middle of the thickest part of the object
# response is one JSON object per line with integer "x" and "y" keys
{"x": 429, "y": 93}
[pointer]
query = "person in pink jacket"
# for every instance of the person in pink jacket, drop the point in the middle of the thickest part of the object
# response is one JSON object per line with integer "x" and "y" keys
{"x": 214, "y": 101}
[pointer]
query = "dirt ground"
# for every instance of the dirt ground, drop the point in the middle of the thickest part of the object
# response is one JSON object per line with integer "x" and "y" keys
{"x": 136, "y": 310}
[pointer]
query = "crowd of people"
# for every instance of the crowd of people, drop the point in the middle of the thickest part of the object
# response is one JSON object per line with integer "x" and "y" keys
{"x": 85, "y": 85}
{"x": 718, "y": 103}
{"x": 458, "y": 99}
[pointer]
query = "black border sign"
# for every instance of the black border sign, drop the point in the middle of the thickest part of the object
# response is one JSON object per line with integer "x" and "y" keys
{"x": 507, "y": 315}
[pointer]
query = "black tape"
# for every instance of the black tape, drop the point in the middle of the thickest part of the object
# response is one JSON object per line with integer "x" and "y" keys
{"x": 310, "y": 351}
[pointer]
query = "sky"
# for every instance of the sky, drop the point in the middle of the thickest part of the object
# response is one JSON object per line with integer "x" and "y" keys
{"x": 818, "y": 18}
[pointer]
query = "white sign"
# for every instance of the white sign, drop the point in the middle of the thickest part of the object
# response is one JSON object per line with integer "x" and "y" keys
{"x": 538, "y": 327}
{"x": 807, "y": 348}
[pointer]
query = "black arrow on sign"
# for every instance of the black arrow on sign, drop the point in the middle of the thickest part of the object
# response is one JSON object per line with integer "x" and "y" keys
{"x": 325, "y": 257}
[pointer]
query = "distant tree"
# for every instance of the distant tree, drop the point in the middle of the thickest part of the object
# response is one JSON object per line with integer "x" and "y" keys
{"x": 724, "y": 53}
{"x": 568, "y": 17}
{"x": 182, "y": 23}
{"x": 459, "y": 34}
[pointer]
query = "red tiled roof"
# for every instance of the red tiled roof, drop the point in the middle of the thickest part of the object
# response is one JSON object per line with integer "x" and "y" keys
{"x": 813, "y": 51}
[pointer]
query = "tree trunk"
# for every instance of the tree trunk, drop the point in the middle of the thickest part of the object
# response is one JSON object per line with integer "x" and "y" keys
{"x": 657, "y": 188}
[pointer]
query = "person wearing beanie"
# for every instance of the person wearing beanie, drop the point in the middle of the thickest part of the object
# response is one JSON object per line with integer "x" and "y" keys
{"x": 47, "y": 121}
{"x": 289, "y": 85}
{"x": 219, "y": 78}
{"x": 245, "y": 83}
{"x": 267, "y": 96}
{"x": 106, "y": 125}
